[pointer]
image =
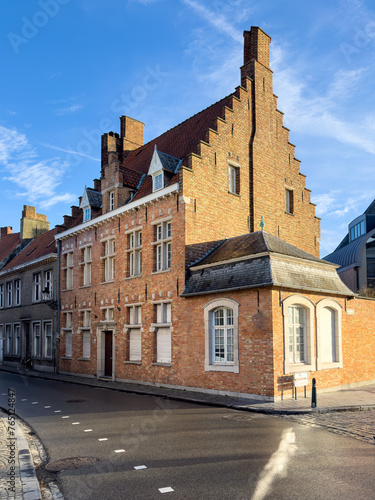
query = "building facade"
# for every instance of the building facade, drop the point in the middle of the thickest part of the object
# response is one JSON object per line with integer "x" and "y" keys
{"x": 132, "y": 306}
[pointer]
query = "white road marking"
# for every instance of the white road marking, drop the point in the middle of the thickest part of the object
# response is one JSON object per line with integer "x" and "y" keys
{"x": 34, "y": 403}
{"x": 87, "y": 430}
{"x": 103, "y": 439}
{"x": 139, "y": 467}
{"x": 57, "y": 411}
{"x": 119, "y": 451}
{"x": 64, "y": 417}
{"x": 47, "y": 407}
{"x": 168, "y": 489}
{"x": 276, "y": 465}
{"x": 5, "y": 394}
{"x": 23, "y": 399}
{"x": 75, "y": 423}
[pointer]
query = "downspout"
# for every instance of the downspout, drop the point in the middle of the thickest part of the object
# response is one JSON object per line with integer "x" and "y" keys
{"x": 56, "y": 367}
{"x": 251, "y": 157}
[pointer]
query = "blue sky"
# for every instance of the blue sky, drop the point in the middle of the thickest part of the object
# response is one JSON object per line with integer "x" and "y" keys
{"x": 70, "y": 68}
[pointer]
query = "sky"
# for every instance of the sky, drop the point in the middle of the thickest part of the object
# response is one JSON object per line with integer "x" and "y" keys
{"x": 71, "y": 68}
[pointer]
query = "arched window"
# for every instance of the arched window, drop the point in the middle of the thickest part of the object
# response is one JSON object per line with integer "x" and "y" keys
{"x": 221, "y": 335}
{"x": 299, "y": 313}
{"x": 328, "y": 312}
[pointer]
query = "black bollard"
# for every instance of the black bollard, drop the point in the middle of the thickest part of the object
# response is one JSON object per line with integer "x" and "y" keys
{"x": 313, "y": 394}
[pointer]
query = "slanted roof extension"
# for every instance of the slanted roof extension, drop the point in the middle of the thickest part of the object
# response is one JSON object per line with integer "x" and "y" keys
{"x": 261, "y": 260}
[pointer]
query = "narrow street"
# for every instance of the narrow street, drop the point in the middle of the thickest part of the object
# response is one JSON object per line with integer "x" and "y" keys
{"x": 136, "y": 447}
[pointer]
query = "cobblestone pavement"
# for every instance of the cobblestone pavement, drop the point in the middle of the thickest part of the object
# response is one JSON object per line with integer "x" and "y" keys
{"x": 356, "y": 424}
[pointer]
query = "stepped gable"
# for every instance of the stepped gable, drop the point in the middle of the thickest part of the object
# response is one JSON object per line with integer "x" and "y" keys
{"x": 180, "y": 140}
{"x": 8, "y": 244}
{"x": 41, "y": 246}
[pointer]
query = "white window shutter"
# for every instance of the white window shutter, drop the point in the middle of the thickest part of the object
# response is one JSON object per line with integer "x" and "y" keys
{"x": 163, "y": 345}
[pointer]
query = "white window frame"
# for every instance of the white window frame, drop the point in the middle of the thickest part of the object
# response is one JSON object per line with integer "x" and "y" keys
{"x": 37, "y": 287}
{"x": 2, "y": 300}
{"x": 86, "y": 344}
{"x": 17, "y": 339}
{"x": 86, "y": 214}
{"x": 86, "y": 265}
{"x": 68, "y": 344}
{"x": 68, "y": 268}
{"x": 17, "y": 286}
{"x": 233, "y": 179}
{"x": 9, "y": 294}
{"x": 8, "y": 339}
{"x": 48, "y": 285}
{"x": 337, "y": 309}
{"x": 163, "y": 245}
{"x": 109, "y": 260}
{"x": 134, "y": 314}
{"x": 209, "y": 310}
{"x": 289, "y": 201}
{"x": 157, "y": 181}
{"x": 47, "y": 324}
{"x": 108, "y": 314}
{"x": 135, "y": 252}
{"x": 111, "y": 200}
{"x": 36, "y": 326}
{"x": 308, "y": 364}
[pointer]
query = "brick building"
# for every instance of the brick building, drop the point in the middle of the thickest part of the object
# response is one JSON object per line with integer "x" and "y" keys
{"x": 182, "y": 212}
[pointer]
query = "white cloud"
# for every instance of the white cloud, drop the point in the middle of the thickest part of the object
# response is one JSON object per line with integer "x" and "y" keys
{"x": 68, "y": 110}
{"x": 70, "y": 151}
{"x": 37, "y": 180}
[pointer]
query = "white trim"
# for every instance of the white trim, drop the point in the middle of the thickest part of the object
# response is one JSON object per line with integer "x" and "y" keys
{"x": 337, "y": 308}
{"x": 169, "y": 190}
{"x": 30, "y": 263}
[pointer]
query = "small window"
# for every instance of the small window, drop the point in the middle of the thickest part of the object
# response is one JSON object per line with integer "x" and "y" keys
{"x": 86, "y": 266}
{"x": 109, "y": 260}
{"x": 297, "y": 334}
{"x": 112, "y": 200}
{"x": 36, "y": 345}
{"x": 158, "y": 181}
{"x": 68, "y": 344}
{"x": 234, "y": 180}
{"x": 1, "y": 296}
{"x": 17, "y": 340}
{"x": 48, "y": 340}
{"x": 37, "y": 288}
{"x": 87, "y": 214}
{"x": 163, "y": 247}
{"x": 47, "y": 291}
{"x": 86, "y": 345}
{"x": 17, "y": 284}
{"x": 135, "y": 344}
{"x": 289, "y": 208}
{"x": 164, "y": 312}
{"x": 8, "y": 339}
{"x": 9, "y": 294}
{"x": 135, "y": 253}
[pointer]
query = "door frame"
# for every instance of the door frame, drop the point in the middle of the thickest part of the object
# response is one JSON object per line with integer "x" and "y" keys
{"x": 100, "y": 335}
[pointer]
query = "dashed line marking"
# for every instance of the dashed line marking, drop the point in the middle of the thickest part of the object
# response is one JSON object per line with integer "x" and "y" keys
{"x": 5, "y": 394}
{"x": 139, "y": 467}
{"x": 75, "y": 423}
{"x": 64, "y": 417}
{"x": 87, "y": 430}
{"x": 34, "y": 403}
{"x": 119, "y": 451}
{"x": 57, "y": 411}
{"x": 23, "y": 399}
{"x": 103, "y": 439}
{"x": 47, "y": 407}
{"x": 168, "y": 489}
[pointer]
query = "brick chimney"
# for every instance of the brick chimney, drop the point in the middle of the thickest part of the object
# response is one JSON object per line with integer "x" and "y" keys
{"x": 5, "y": 231}
{"x": 97, "y": 185}
{"x": 76, "y": 211}
{"x": 132, "y": 133}
{"x": 256, "y": 48}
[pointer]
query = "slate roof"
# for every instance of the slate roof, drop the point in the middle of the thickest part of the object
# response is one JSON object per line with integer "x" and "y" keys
{"x": 41, "y": 246}
{"x": 169, "y": 162}
{"x": 270, "y": 262}
{"x": 94, "y": 198}
{"x": 8, "y": 244}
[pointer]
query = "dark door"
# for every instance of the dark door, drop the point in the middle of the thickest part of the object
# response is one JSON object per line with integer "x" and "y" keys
{"x": 108, "y": 354}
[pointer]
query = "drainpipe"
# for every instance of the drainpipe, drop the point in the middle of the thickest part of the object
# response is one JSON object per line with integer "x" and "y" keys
{"x": 56, "y": 367}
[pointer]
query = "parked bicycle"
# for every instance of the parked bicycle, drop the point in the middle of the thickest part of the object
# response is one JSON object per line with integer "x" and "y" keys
{"x": 25, "y": 364}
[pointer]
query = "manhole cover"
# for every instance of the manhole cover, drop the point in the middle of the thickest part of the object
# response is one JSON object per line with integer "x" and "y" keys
{"x": 71, "y": 463}
{"x": 75, "y": 401}
{"x": 238, "y": 418}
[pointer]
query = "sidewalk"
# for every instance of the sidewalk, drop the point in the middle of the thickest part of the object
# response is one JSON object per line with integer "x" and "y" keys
{"x": 356, "y": 399}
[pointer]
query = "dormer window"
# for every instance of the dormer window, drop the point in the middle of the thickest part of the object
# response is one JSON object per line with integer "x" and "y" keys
{"x": 87, "y": 214}
{"x": 158, "y": 181}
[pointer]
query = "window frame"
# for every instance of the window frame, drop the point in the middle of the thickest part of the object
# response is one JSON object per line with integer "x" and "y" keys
{"x": 45, "y": 340}
{"x": 289, "y": 201}
{"x": 162, "y": 245}
{"x": 8, "y": 339}
{"x": 17, "y": 339}
{"x": 108, "y": 259}
{"x": 87, "y": 213}
{"x": 86, "y": 265}
{"x": 69, "y": 269}
{"x": 209, "y": 310}
{"x": 9, "y": 293}
{"x": 36, "y": 355}
{"x": 37, "y": 287}
{"x": 234, "y": 179}
{"x": 17, "y": 295}
{"x": 134, "y": 251}
{"x": 48, "y": 284}
{"x": 159, "y": 175}
{"x": 2, "y": 296}
{"x": 111, "y": 201}
{"x": 337, "y": 308}
{"x": 309, "y": 333}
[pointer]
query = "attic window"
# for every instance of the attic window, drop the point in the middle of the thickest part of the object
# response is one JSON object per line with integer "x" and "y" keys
{"x": 87, "y": 214}
{"x": 158, "y": 181}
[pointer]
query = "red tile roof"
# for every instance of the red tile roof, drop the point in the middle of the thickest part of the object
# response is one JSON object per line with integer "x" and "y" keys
{"x": 39, "y": 247}
{"x": 8, "y": 244}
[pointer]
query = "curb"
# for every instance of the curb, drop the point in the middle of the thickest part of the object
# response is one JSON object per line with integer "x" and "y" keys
{"x": 30, "y": 484}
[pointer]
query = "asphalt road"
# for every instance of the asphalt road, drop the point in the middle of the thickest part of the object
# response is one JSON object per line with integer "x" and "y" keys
{"x": 187, "y": 451}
